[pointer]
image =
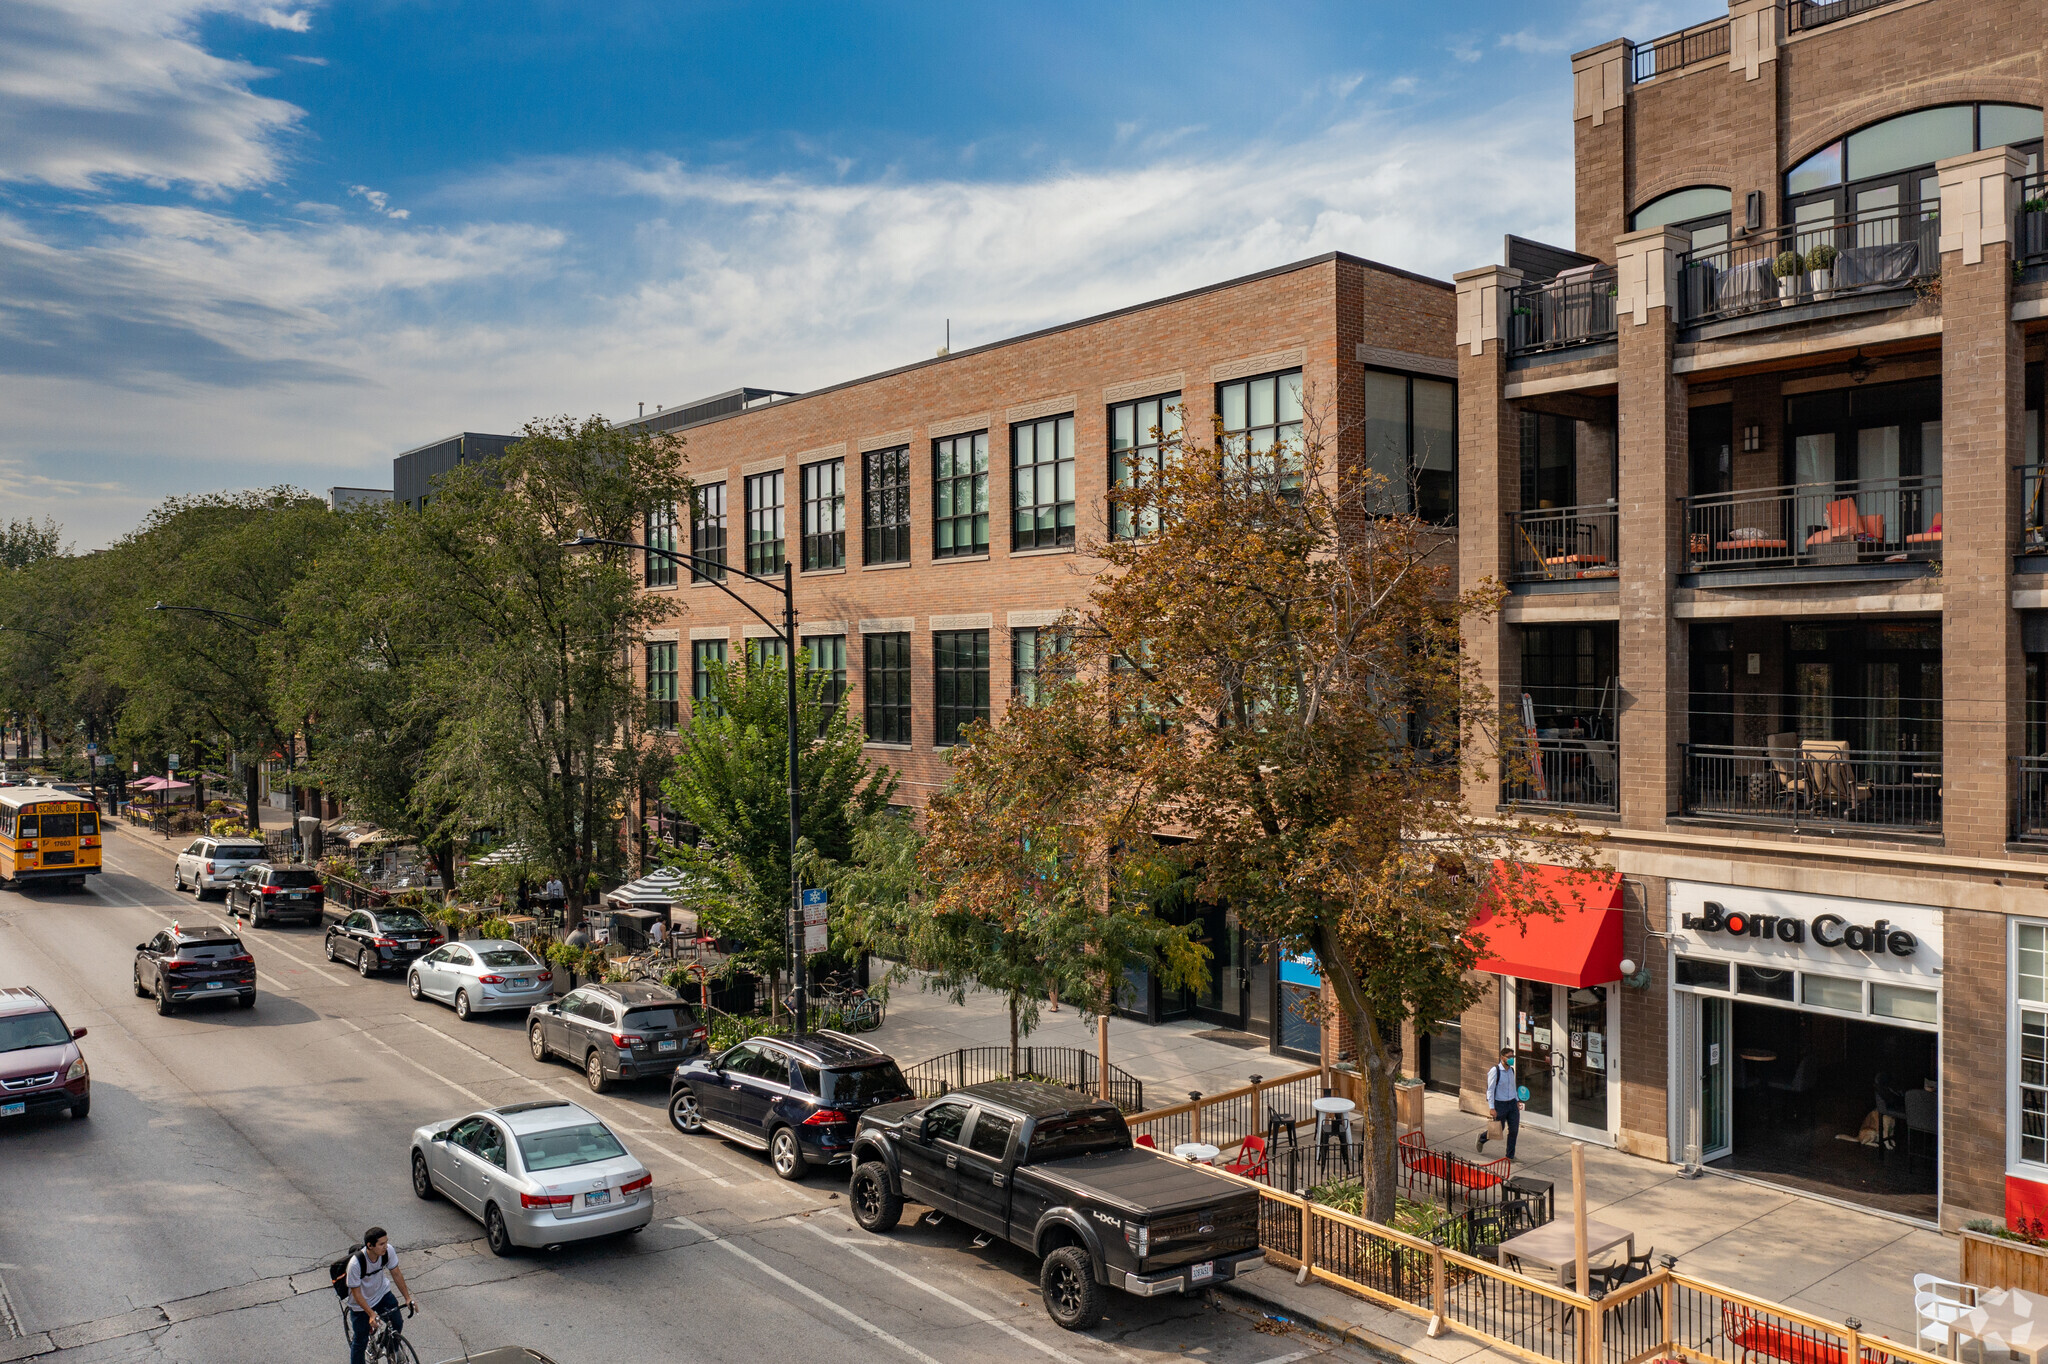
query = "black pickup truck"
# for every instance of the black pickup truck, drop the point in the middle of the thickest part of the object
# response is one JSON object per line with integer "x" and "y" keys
{"x": 1056, "y": 1174}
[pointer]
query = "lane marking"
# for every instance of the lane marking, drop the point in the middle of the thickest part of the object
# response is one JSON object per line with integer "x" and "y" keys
{"x": 985, "y": 1318}
{"x": 1288, "y": 1359}
{"x": 819, "y": 1298}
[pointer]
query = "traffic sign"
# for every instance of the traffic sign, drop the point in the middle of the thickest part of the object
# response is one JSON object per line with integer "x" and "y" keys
{"x": 813, "y": 897}
{"x": 92, "y": 748}
{"x": 171, "y": 761}
{"x": 814, "y": 922}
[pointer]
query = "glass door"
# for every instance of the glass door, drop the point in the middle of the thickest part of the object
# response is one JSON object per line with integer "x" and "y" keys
{"x": 1536, "y": 1046}
{"x": 1716, "y": 1073}
{"x": 1588, "y": 1061}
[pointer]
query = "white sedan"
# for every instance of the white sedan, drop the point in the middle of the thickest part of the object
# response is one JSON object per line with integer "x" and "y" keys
{"x": 480, "y": 977}
{"x": 535, "y": 1174}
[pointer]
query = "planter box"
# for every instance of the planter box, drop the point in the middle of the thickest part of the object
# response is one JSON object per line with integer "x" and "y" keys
{"x": 1994, "y": 1262}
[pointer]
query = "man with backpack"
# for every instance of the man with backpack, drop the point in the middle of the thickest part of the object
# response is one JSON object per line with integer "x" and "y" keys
{"x": 367, "y": 1281}
{"x": 1504, "y": 1099}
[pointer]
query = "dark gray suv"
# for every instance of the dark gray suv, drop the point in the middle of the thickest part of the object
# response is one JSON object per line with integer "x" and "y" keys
{"x": 625, "y": 1031}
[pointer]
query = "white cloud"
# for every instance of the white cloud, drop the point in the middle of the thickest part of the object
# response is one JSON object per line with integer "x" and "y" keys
{"x": 379, "y": 201}
{"x": 295, "y": 21}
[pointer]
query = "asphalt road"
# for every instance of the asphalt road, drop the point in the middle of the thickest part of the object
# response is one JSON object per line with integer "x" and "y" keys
{"x": 232, "y": 1154}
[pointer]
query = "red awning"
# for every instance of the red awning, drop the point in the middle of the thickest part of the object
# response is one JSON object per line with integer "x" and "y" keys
{"x": 1581, "y": 947}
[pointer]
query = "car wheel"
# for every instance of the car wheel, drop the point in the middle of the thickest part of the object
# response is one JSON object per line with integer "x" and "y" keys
{"x": 683, "y": 1113}
{"x": 462, "y": 1005}
{"x": 422, "y": 1179}
{"x": 164, "y": 1007}
{"x": 593, "y": 1071}
{"x": 247, "y": 1001}
{"x": 874, "y": 1206}
{"x": 177, "y": 879}
{"x": 496, "y": 1234}
{"x": 330, "y": 948}
{"x": 140, "y": 992}
{"x": 1072, "y": 1297}
{"x": 537, "y": 1043}
{"x": 786, "y": 1155}
{"x": 412, "y": 986}
{"x": 81, "y": 1108}
{"x": 365, "y": 964}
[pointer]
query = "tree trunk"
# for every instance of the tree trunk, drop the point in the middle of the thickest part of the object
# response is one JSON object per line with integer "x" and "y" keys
{"x": 1375, "y": 1130}
{"x": 1015, "y": 1052}
{"x": 252, "y": 784}
{"x": 444, "y": 863}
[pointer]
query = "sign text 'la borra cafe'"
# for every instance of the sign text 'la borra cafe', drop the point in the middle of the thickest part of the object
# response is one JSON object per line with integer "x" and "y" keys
{"x": 1828, "y": 930}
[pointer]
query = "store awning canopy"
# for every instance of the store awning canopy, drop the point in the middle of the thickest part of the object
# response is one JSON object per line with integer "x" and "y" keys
{"x": 1581, "y": 946}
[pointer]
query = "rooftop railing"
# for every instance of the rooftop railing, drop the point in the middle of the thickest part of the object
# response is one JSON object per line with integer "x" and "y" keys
{"x": 1804, "y": 525}
{"x": 1661, "y": 56}
{"x": 1809, "y": 262}
{"x": 1807, "y": 14}
{"x": 1575, "y": 309}
{"x": 1814, "y": 784}
{"x": 1557, "y": 543}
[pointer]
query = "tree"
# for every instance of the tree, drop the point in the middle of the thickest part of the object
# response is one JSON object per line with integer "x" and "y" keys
{"x": 24, "y": 541}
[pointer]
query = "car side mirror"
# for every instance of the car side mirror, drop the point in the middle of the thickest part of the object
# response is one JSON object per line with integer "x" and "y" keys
{"x": 554, "y": 1008}
{"x": 78, "y": 1032}
{"x": 441, "y": 1135}
{"x": 142, "y": 947}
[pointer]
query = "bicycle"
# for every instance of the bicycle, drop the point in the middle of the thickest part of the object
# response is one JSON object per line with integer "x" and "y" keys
{"x": 388, "y": 1344}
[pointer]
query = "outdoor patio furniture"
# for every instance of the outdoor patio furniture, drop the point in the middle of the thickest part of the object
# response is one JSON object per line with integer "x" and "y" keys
{"x": 1774, "y": 1338}
{"x": 1552, "y": 1245}
{"x": 1834, "y": 776}
{"x": 2004, "y": 1320}
{"x": 1893, "y": 263}
{"x": 1539, "y": 1194}
{"x": 1146, "y": 1142}
{"x": 1939, "y": 1303}
{"x": 1930, "y": 536}
{"x": 1793, "y": 787}
{"x": 1450, "y": 1175}
{"x": 1251, "y": 1159}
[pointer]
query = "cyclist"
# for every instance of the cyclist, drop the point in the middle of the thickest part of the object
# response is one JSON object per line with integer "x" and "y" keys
{"x": 371, "y": 1271}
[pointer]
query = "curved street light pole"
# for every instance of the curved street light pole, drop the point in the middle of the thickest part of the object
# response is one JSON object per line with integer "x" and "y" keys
{"x": 787, "y": 634}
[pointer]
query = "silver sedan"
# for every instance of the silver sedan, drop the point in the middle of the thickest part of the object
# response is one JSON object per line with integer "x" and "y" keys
{"x": 535, "y": 1174}
{"x": 480, "y": 977}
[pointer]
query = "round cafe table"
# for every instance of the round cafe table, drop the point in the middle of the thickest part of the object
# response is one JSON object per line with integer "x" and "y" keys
{"x": 1759, "y": 1055}
{"x": 1201, "y": 1153}
{"x": 1333, "y": 1126}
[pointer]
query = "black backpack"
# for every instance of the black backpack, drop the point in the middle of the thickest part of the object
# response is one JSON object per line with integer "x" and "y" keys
{"x": 338, "y": 1272}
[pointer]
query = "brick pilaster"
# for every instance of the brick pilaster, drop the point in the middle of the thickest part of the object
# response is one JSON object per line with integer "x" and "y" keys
{"x": 1600, "y": 78}
{"x": 1489, "y": 485}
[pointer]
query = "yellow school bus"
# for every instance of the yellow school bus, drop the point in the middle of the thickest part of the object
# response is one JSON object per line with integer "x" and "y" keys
{"x": 47, "y": 835}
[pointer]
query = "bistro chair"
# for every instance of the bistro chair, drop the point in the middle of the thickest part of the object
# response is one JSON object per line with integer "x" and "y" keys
{"x": 1794, "y": 789}
{"x": 1939, "y": 1303}
{"x": 1834, "y": 776}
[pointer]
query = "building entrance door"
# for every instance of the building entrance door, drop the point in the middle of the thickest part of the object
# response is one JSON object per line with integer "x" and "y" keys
{"x": 1564, "y": 1038}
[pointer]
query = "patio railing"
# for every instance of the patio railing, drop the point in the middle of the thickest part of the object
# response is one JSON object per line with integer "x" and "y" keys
{"x": 2030, "y": 800}
{"x": 1224, "y": 1119}
{"x": 1575, "y": 309}
{"x": 1815, "y": 782}
{"x": 1874, "y": 520}
{"x": 1557, "y": 543}
{"x": 1567, "y": 773}
{"x": 2030, "y": 226}
{"x": 1809, "y": 262}
{"x": 1816, "y": 13}
{"x": 1674, "y": 50}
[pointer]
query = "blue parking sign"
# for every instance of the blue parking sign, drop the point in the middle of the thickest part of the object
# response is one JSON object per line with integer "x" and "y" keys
{"x": 813, "y": 897}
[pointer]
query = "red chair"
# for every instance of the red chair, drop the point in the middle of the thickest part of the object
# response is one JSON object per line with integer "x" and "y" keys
{"x": 1245, "y": 1164}
{"x": 1783, "y": 1341}
{"x": 1147, "y": 1142}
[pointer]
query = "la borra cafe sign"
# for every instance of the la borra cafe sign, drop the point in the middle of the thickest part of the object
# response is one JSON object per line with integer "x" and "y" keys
{"x": 1828, "y": 930}
{"x": 1831, "y": 934}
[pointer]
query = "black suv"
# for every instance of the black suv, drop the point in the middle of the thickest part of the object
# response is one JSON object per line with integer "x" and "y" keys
{"x": 798, "y": 1100}
{"x": 623, "y": 1031}
{"x": 271, "y": 892}
{"x": 381, "y": 939}
{"x": 183, "y": 965}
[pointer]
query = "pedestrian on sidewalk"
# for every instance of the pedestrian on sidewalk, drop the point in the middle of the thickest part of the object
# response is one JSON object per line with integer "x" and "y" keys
{"x": 1504, "y": 1099}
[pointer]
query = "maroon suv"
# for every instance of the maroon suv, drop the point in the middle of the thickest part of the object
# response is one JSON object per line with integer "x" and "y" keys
{"x": 41, "y": 1067}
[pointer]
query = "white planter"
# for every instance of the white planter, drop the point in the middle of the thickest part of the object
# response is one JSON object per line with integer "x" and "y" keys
{"x": 1822, "y": 282}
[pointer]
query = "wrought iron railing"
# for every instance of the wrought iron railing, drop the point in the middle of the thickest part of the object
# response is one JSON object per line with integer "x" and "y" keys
{"x": 1563, "y": 772}
{"x": 1224, "y": 1119}
{"x": 1810, "y": 262}
{"x": 1575, "y": 309}
{"x": 1566, "y": 542}
{"x": 1069, "y": 1066}
{"x": 1817, "y": 13}
{"x": 2030, "y": 800}
{"x": 2030, "y": 224}
{"x": 1815, "y": 783}
{"x": 1875, "y": 520}
{"x": 1662, "y": 55}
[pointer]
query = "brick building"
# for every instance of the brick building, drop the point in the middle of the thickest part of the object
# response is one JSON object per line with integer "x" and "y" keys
{"x": 941, "y": 515}
{"x": 1760, "y": 458}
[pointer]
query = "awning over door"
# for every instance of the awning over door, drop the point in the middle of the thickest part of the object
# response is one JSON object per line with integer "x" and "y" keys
{"x": 1581, "y": 947}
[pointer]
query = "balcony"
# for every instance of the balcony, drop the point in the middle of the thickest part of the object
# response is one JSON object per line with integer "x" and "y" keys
{"x": 1575, "y": 309}
{"x": 1807, "y": 525}
{"x": 1662, "y": 55}
{"x": 2030, "y": 229}
{"x": 1807, "y": 14}
{"x": 2030, "y": 800}
{"x": 1563, "y": 543}
{"x": 1813, "y": 262}
{"x": 1815, "y": 784}
{"x": 1553, "y": 770}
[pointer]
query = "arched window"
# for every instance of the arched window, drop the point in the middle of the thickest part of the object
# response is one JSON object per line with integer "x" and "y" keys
{"x": 1887, "y": 169}
{"x": 1702, "y": 210}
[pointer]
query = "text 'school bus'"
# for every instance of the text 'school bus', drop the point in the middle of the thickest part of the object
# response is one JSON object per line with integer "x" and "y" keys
{"x": 47, "y": 835}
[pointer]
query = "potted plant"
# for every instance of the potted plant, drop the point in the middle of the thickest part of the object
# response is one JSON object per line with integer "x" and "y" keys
{"x": 1820, "y": 270}
{"x": 1788, "y": 266}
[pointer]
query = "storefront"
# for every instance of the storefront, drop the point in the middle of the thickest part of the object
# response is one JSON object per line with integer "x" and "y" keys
{"x": 1805, "y": 1042}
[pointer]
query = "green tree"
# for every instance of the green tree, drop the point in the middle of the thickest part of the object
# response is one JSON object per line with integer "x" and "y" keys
{"x": 24, "y": 541}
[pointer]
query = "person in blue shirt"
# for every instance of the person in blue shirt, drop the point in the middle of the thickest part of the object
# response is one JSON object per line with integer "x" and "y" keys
{"x": 1503, "y": 1099}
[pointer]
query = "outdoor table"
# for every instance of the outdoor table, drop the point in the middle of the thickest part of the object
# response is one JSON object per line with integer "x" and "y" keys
{"x": 1758, "y": 1054}
{"x": 1201, "y": 1153}
{"x": 1333, "y": 1119}
{"x": 2005, "y": 1319}
{"x": 1551, "y": 1244}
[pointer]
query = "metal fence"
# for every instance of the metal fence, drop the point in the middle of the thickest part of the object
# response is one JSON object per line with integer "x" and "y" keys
{"x": 1571, "y": 773}
{"x": 1226, "y": 1118}
{"x": 1801, "y": 525}
{"x": 1816, "y": 13}
{"x": 1660, "y": 56}
{"x": 1815, "y": 782}
{"x": 1810, "y": 262}
{"x": 2030, "y": 800}
{"x": 1574, "y": 309}
{"x": 2030, "y": 227}
{"x": 1560, "y": 543}
{"x": 1070, "y": 1067}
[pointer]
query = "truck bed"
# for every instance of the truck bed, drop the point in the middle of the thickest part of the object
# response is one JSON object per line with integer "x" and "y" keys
{"x": 1141, "y": 1182}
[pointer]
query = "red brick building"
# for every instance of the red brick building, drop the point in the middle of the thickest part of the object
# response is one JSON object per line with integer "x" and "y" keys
{"x": 1760, "y": 456}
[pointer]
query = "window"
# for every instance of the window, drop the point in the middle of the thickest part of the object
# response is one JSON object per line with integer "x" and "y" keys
{"x": 1411, "y": 443}
{"x": 959, "y": 681}
{"x": 886, "y": 684}
{"x": 764, "y": 523}
{"x": 1832, "y": 992}
{"x": 1702, "y": 211}
{"x": 1888, "y": 167}
{"x": 763, "y": 649}
{"x": 1260, "y": 416}
{"x": 707, "y": 532}
{"x": 1141, "y": 434}
{"x": 1039, "y": 658}
{"x": 885, "y": 506}
{"x": 991, "y": 1135}
{"x": 662, "y": 700}
{"x": 2030, "y": 1055}
{"x": 1764, "y": 982}
{"x": 1902, "y": 1002}
{"x": 661, "y": 534}
{"x": 943, "y": 1123}
{"x": 1042, "y": 480}
{"x": 1704, "y": 975}
{"x": 960, "y": 495}
{"x": 825, "y": 514}
{"x": 706, "y": 656}
{"x": 828, "y": 656}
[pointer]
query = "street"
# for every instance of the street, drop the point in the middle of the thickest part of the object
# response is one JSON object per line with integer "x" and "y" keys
{"x": 231, "y": 1155}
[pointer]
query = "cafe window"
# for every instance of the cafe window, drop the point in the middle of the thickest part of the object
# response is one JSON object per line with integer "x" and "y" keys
{"x": 1832, "y": 992}
{"x": 1703, "y": 975}
{"x": 1764, "y": 982}
{"x": 2029, "y": 1100}
{"x": 1908, "y": 1005}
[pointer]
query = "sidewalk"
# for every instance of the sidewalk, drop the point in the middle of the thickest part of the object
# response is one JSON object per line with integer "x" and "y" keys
{"x": 1833, "y": 1262}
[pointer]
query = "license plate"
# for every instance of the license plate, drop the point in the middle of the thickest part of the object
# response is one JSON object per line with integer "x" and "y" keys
{"x": 522, "y": 982}
{"x": 297, "y": 896}
{"x": 666, "y": 1044}
{"x": 213, "y": 985}
{"x": 596, "y": 1197}
{"x": 13, "y": 1110}
{"x": 1202, "y": 1272}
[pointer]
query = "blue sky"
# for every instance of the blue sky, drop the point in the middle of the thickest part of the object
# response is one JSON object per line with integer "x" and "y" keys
{"x": 245, "y": 243}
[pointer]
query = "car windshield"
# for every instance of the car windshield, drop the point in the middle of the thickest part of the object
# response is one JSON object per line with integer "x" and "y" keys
{"x": 238, "y": 852}
{"x": 877, "y": 1084}
{"x": 60, "y": 826}
{"x": 567, "y": 1146}
{"x": 1077, "y": 1134}
{"x": 513, "y": 957}
{"x": 656, "y": 1020}
{"x": 297, "y": 878}
{"x": 33, "y": 1030}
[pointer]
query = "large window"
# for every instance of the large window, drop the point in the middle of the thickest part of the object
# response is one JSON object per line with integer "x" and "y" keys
{"x": 661, "y": 534}
{"x": 960, "y": 495}
{"x": 1042, "y": 477}
{"x": 706, "y": 655}
{"x": 885, "y": 684}
{"x": 1886, "y": 171}
{"x": 1039, "y": 660}
{"x": 2029, "y": 1100}
{"x": 1141, "y": 434}
{"x": 959, "y": 681}
{"x": 825, "y": 514}
{"x": 1411, "y": 444}
{"x": 707, "y": 531}
{"x": 1702, "y": 210}
{"x": 1262, "y": 422}
{"x": 885, "y": 506}
{"x": 663, "y": 703}
{"x": 762, "y": 649}
{"x": 764, "y": 523}
{"x": 1568, "y": 677}
{"x": 828, "y": 656}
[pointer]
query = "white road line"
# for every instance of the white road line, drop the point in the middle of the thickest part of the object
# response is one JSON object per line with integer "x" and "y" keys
{"x": 1288, "y": 1359}
{"x": 984, "y": 1318}
{"x": 811, "y": 1293}
{"x": 479, "y": 1100}
{"x": 270, "y": 946}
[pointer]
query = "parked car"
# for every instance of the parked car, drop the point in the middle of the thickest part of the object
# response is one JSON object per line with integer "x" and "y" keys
{"x": 273, "y": 892}
{"x": 796, "y": 1100}
{"x": 213, "y": 864}
{"x": 625, "y": 1031}
{"x": 41, "y": 1067}
{"x": 1056, "y": 1174}
{"x": 183, "y": 965}
{"x": 376, "y": 940}
{"x": 480, "y": 977}
{"x": 535, "y": 1174}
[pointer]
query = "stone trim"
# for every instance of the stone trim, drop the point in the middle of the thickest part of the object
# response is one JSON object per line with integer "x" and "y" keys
{"x": 1044, "y": 407}
{"x": 891, "y": 625}
{"x": 1535, "y": 610}
{"x": 1709, "y": 397}
{"x": 981, "y": 621}
{"x": 1443, "y": 367}
{"x": 1258, "y": 364}
{"x": 661, "y": 636}
{"x": 1976, "y": 201}
{"x": 758, "y": 631}
{"x": 1905, "y": 329}
{"x": 888, "y": 440}
{"x": 1481, "y": 302}
{"x": 1900, "y": 602}
{"x": 823, "y": 452}
{"x": 955, "y": 426}
{"x": 1034, "y": 620}
{"x": 1158, "y": 386}
{"x": 1561, "y": 383}
{"x": 1600, "y": 81}
{"x": 762, "y": 466}
{"x": 1645, "y": 270}
{"x": 1753, "y": 35}
{"x": 820, "y": 627}
{"x": 723, "y": 632}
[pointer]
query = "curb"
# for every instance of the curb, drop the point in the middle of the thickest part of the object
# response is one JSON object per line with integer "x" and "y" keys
{"x": 1343, "y": 1332}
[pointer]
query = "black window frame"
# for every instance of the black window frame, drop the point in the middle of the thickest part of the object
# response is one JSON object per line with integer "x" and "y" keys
{"x": 708, "y": 531}
{"x": 659, "y": 532}
{"x": 766, "y": 551}
{"x": 974, "y": 481}
{"x": 959, "y": 664}
{"x": 703, "y": 653}
{"x": 1236, "y": 441}
{"x": 664, "y": 698}
{"x": 1146, "y": 441}
{"x": 824, "y": 514}
{"x": 833, "y": 668}
{"x": 762, "y": 647}
{"x": 1045, "y": 643}
{"x": 885, "y": 505}
{"x": 1445, "y": 514}
{"x": 885, "y": 687}
{"x": 1025, "y": 479}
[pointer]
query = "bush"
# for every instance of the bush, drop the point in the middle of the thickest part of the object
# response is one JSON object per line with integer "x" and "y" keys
{"x": 494, "y": 928}
{"x": 1788, "y": 264}
{"x": 228, "y": 828}
{"x": 2035, "y": 206}
{"x": 1822, "y": 257}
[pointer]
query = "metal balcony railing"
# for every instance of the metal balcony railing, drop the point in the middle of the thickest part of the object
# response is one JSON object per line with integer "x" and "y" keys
{"x": 1807, "y": 14}
{"x": 1674, "y": 50}
{"x": 1810, "y": 262}
{"x": 2033, "y": 508}
{"x": 1565, "y": 773}
{"x": 1575, "y": 309}
{"x": 2030, "y": 226}
{"x": 1815, "y": 783}
{"x": 1558, "y": 543}
{"x": 2030, "y": 800}
{"x": 1802, "y": 525}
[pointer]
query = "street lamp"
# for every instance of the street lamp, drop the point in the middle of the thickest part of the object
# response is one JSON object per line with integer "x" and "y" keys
{"x": 787, "y": 633}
